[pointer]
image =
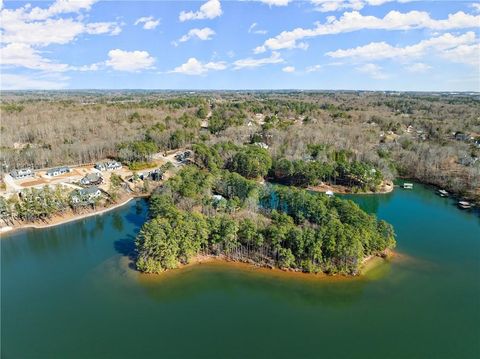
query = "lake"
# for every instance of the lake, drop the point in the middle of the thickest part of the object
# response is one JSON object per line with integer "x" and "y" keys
{"x": 70, "y": 292}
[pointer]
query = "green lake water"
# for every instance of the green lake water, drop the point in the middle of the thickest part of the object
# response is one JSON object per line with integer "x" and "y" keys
{"x": 68, "y": 292}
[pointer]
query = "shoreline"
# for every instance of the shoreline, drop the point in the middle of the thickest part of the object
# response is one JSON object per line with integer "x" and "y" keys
{"x": 368, "y": 264}
{"x": 70, "y": 217}
{"x": 385, "y": 188}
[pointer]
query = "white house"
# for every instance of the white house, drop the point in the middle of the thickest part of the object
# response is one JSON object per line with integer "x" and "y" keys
{"x": 22, "y": 173}
{"x": 58, "y": 171}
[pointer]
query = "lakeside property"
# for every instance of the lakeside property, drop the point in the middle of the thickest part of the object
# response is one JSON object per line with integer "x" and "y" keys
{"x": 87, "y": 265}
{"x": 43, "y": 198}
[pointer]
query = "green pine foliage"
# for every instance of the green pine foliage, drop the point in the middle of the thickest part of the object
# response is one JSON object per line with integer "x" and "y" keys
{"x": 270, "y": 225}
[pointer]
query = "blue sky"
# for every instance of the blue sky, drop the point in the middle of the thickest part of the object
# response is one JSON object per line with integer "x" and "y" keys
{"x": 268, "y": 44}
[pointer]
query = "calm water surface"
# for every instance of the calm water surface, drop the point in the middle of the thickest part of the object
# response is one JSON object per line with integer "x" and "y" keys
{"x": 68, "y": 292}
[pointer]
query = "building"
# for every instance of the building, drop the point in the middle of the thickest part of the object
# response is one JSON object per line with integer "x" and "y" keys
{"x": 108, "y": 165}
{"x": 58, "y": 171}
{"x": 460, "y": 136}
{"x": 86, "y": 195}
{"x": 22, "y": 173}
{"x": 91, "y": 179}
{"x": 183, "y": 156}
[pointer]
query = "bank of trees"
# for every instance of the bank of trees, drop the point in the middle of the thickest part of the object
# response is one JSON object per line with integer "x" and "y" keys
{"x": 269, "y": 225}
{"x": 302, "y": 173}
{"x": 49, "y": 129}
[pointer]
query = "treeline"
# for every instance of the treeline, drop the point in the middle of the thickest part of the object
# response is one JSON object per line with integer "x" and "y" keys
{"x": 301, "y": 173}
{"x": 252, "y": 161}
{"x": 198, "y": 212}
{"x": 41, "y": 204}
{"x": 46, "y": 129}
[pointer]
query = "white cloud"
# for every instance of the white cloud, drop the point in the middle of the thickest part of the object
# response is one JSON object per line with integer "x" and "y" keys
{"x": 195, "y": 67}
{"x": 288, "y": 69}
{"x": 41, "y": 27}
{"x": 461, "y": 48}
{"x": 202, "y": 34}
{"x": 60, "y": 7}
{"x": 129, "y": 60}
{"x": 314, "y": 68}
{"x": 23, "y": 55}
{"x": 373, "y": 70}
{"x": 337, "y": 5}
{"x": 251, "y": 62}
{"x": 210, "y": 10}
{"x": 253, "y": 29}
{"x": 276, "y": 2}
{"x": 354, "y": 21}
{"x": 418, "y": 67}
{"x": 476, "y": 6}
{"x": 97, "y": 28}
{"x": 24, "y": 82}
{"x": 149, "y": 22}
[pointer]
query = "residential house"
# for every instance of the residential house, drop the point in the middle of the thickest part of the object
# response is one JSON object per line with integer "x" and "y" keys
{"x": 261, "y": 145}
{"x": 461, "y": 136}
{"x": 91, "y": 179}
{"x": 183, "y": 156}
{"x": 58, "y": 171}
{"x": 109, "y": 165}
{"x": 22, "y": 173}
{"x": 86, "y": 195}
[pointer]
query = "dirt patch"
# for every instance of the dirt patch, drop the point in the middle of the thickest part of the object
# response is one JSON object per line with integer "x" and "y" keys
{"x": 34, "y": 183}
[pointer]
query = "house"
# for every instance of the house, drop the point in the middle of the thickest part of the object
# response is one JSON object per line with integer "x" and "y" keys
{"x": 461, "y": 136}
{"x": 183, "y": 156}
{"x": 261, "y": 145}
{"x": 91, "y": 179}
{"x": 57, "y": 171}
{"x": 86, "y": 195}
{"x": 109, "y": 165}
{"x": 468, "y": 161}
{"x": 22, "y": 173}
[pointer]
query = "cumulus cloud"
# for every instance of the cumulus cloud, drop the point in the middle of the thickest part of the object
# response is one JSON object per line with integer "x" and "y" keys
{"x": 276, "y": 2}
{"x": 195, "y": 67}
{"x": 249, "y": 62}
{"x": 148, "y": 22}
{"x": 26, "y": 31}
{"x": 41, "y": 27}
{"x": 23, "y": 55}
{"x": 202, "y": 34}
{"x": 373, "y": 70}
{"x": 288, "y": 69}
{"x": 209, "y": 10}
{"x": 354, "y": 21}
{"x": 462, "y": 48}
{"x": 121, "y": 60}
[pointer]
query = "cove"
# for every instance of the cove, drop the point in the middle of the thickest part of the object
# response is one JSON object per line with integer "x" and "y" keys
{"x": 70, "y": 291}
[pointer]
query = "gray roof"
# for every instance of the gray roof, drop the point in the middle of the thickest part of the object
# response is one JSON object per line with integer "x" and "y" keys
{"x": 86, "y": 191}
{"x": 92, "y": 176}
{"x": 59, "y": 169}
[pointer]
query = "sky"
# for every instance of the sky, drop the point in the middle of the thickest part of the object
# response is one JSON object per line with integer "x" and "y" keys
{"x": 398, "y": 45}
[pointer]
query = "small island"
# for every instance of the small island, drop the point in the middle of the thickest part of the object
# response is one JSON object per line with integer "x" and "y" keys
{"x": 218, "y": 207}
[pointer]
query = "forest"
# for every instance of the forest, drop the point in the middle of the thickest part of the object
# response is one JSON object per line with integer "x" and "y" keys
{"x": 352, "y": 138}
{"x": 222, "y": 213}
